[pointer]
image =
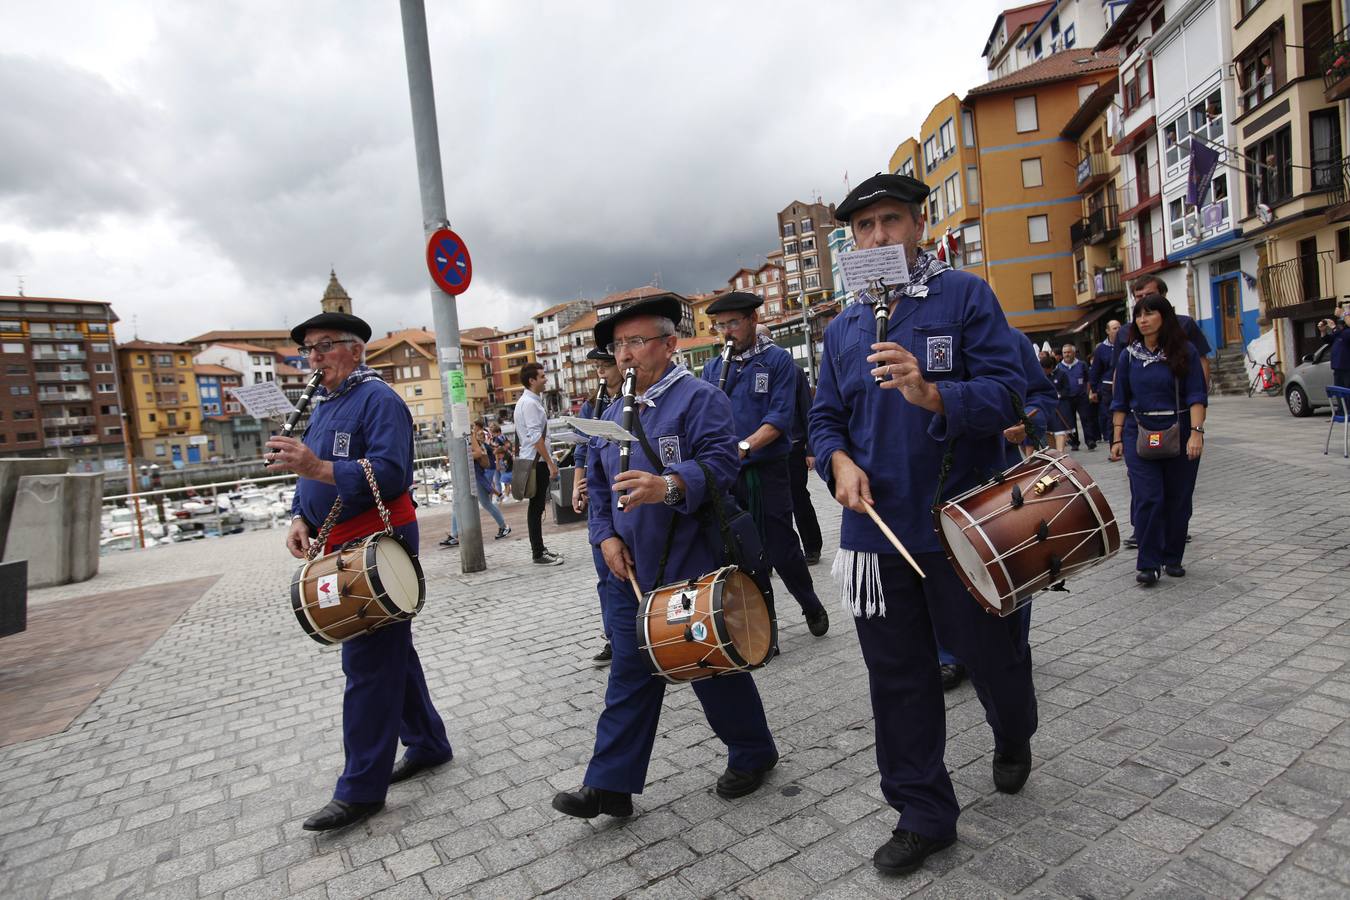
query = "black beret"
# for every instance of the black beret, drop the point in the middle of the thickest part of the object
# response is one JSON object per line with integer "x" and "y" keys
{"x": 600, "y": 355}
{"x": 331, "y": 321}
{"x": 734, "y": 301}
{"x": 879, "y": 187}
{"x": 665, "y": 305}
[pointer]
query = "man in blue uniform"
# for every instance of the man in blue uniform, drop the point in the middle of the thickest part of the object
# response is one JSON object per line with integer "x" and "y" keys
{"x": 1073, "y": 401}
{"x": 762, "y": 384}
{"x": 1101, "y": 376}
{"x": 357, "y": 416}
{"x": 610, "y": 384}
{"x": 800, "y": 463}
{"x": 951, "y": 371}
{"x": 686, "y": 422}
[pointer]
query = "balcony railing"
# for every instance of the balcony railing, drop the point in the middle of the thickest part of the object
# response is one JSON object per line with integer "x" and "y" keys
{"x": 1078, "y": 234}
{"x": 1092, "y": 171}
{"x": 67, "y": 421}
{"x": 64, "y": 396}
{"x": 1299, "y": 280}
{"x": 72, "y": 440}
{"x": 51, "y": 377}
{"x": 1139, "y": 190}
{"x": 57, "y": 336}
{"x": 1102, "y": 224}
{"x": 1147, "y": 252}
{"x": 1338, "y": 195}
{"x": 46, "y": 354}
{"x": 1334, "y": 61}
{"x": 1107, "y": 283}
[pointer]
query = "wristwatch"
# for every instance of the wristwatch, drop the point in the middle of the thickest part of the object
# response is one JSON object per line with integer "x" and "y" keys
{"x": 1199, "y": 429}
{"x": 673, "y": 493}
{"x": 743, "y": 446}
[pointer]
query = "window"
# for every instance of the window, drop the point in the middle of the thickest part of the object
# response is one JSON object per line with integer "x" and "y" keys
{"x": 1324, "y": 131}
{"x": 1137, "y": 85}
{"x": 811, "y": 262}
{"x": 789, "y": 247}
{"x": 930, "y": 154}
{"x": 1042, "y": 297}
{"x": 1031, "y": 173}
{"x": 21, "y": 415}
{"x": 1085, "y": 91}
{"x": 1025, "y": 110}
{"x": 1069, "y": 38}
{"x": 1038, "y": 229}
{"x": 140, "y": 360}
{"x": 11, "y": 348}
{"x": 972, "y": 247}
{"x": 907, "y": 167}
{"x": 1343, "y": 245}
{"x": 972, "y": 184}
{"x": 790, "y": 265}
{"x": 105, "y": 388}
{"x": 1270, "y": 176}
{"x": 808, "y": 243}
{"x": 967, "y": 128}
{"x": 934, "y": 206}
{"x": 102, "y": 367}
{"x": 1260, "y": 69}
{"x": 14, "y": 369}
{"x": 947, "y": 138}
{"x": 112, "y": 430}
{"x": 182, "y": 360}
{"x": 20, "y": 390}
{"x": 794, "y": 286}
{"x": 417, "y": 390}
{"x": 163, "y": 359}
{"x": 951, "y": 188}
{"x": 1036, "y": 47}
{"x": 29, "y": 436}
{"x": 812, "y": 281}
{"x": 806, "y": 226}
{"x": 100, "y": 347}
{"x": 1159, "y": 18}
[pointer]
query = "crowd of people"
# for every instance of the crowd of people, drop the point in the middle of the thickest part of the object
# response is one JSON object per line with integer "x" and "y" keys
{"x": 950, "y": 381}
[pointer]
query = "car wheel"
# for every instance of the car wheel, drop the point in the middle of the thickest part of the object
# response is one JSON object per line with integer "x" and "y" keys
{"x": 1297, "y": 399}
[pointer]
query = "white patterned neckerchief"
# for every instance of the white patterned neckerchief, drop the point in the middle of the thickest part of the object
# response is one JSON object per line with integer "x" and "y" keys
{"x": 1146, "y": 356}
{"x": 360, "y": 375}
{"x": 762, "y": 342}
{"x": 674, "y": 374}
{"x": 925, "y": 268}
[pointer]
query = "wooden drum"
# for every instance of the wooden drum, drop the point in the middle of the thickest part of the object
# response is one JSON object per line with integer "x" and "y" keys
{"x": 361, "y": 586}
{"x": 707, "y": 626}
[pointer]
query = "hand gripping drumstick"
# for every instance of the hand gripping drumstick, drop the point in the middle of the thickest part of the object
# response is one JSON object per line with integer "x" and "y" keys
{"x": 626, "y": 447}
{"x": 895, "y": 541}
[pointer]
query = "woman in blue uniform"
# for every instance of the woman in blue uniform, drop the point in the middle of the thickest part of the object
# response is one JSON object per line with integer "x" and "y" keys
{"x": 1159, "y": 383}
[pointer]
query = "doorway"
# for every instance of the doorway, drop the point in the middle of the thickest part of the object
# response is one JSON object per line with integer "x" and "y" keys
{"x": 1228, "y": 312}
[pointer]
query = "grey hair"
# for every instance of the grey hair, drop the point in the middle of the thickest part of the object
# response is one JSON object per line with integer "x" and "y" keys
{"x": 360, "y": 344}
{"x": 664, "y": 326}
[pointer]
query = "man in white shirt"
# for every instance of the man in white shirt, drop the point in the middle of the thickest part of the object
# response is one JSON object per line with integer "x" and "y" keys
{"x": 531, "y": 421}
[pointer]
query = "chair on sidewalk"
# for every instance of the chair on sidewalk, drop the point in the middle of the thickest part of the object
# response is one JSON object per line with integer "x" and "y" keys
{"x": 1340, "y": 413}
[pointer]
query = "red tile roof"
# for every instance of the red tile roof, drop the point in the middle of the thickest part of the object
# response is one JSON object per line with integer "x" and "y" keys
{"x": 1059, "y": 67}
{"x": 478, "y": 334}
{"x": 151, "y": 345}
{"x": 249, "y": 348}
{"x": 201, "y": 369}
{"x": 214, "y": 337}
{"x": 585, "y": 323}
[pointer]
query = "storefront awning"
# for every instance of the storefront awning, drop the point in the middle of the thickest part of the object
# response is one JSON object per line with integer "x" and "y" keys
{"x": 1116, "y": 306}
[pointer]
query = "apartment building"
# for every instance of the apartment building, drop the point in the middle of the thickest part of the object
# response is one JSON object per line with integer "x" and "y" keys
{"x": 804, "y": 230}
{"x": 611, "y": 303}
{"x": 548, "y": 347}
{"x": 60, "y": 394}
{"x": 406, "y": 360}
{"x": 256, "y": 363}
{"x": 509, "y": 351}
{"x": 1065, "y": 25}
{"x": 578, "y": 375}
{"x": 951, "y": 170}
{"x": 766, "y": 281}
{"x": 1010, "y": 26}
{"x": 1099, "y": 283}
{"x": 159, "y": 388}
{"x": 906, "y": 159}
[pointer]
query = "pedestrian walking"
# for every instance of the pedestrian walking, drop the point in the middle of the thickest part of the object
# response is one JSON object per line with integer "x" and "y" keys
{"x": 482, "y": 467}
{"x": 535, "y": 466}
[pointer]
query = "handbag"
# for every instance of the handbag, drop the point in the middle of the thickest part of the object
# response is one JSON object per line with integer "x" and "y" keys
{"x": 1165, "y": 444}
{"x": 523, "y": 484}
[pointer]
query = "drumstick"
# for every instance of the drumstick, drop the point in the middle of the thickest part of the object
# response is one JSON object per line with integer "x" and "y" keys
{"x": 632, "y": 579}
{"x": 895, "y": 541}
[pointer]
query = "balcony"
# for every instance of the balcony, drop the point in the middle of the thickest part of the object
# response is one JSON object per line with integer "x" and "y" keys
{"x": 1138, "y": 192}
{"x": 46, "y": 354}
{"x": 1102, "y": 225}
{"x": 1305, "y": 279}
{"x": 73, "y": 440}
{"x": 1092, "y": 172}
{"x": 64, "y": 396}
{"x": 67, "y": 421}
{"x": 54, "y": 377}
{"x": 1334, "y": 178}
{"x": 1106, "y": 284}
{"x": 1335, "y": 65}
{"x": 1078, "y": 234}
{"x": 169, "y": 401}
{"x": 1146, "y": 255}
{"x": 56, "y": 336}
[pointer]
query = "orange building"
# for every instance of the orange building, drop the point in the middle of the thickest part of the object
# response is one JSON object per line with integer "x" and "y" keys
{"x": 905, "y": 159}
{"x": 1029, "y": 187}
{"x": 951, "y": 171}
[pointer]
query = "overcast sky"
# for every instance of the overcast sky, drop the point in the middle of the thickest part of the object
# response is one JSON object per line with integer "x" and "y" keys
{"x": 201, "y": 165}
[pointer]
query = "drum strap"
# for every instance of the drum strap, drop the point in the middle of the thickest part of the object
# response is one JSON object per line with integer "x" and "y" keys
{"x": 949, "y": 452}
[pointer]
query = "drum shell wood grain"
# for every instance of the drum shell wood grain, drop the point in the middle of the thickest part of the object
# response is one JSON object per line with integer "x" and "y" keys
{"x": 992, "y": 526}
{"x": 666, "y": 643}
{"x": 360, "y": 590}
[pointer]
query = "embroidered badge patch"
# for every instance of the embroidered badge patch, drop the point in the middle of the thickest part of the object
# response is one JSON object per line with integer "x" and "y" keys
{"x": 670, "y": 449}
{"x": 342, "y": 444}
{"x": 761, "y": 382}
{"x": 940, "y": 353}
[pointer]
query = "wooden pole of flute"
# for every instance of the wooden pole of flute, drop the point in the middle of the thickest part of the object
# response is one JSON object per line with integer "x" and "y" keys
{"x": 895, "y": 541}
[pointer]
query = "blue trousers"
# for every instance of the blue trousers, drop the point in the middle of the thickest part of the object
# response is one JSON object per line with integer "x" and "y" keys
{"x": 1161, "y": 491}
{"x": 627, "y": 728}
{"x": 386, "y": 700}
{"x": 1078, "y": 406}
{"x": 907, "y": 703}
{"x": 774, "y": 518}
{"x": 1023, "y": 616}
{"x": 1104, "y": 429}
{"x": 602, "y": 575}
{"x": 485, "y": 501}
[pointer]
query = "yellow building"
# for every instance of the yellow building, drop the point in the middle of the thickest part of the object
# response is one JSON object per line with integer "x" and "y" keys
{"x": 1029, "y": 188}
{"x": 905, "y": 159}
{"x": 406, "y": 360}
{"x": 1291, "y": 122}
{"x": 951, "y": 171}
{"x": 1099, "y": 286}
{"x": 159, "y": 388}
{"x": 510, "y": 351}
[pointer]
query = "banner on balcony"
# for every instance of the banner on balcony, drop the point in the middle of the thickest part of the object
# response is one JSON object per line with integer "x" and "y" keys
{"x": 1203, "y": 161}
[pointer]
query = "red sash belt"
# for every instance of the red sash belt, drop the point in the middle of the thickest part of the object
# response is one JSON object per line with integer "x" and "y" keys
{"x": 401, "y": 512}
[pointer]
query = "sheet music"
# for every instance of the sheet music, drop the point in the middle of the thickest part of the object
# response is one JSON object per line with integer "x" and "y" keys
{"x": 599, "y": 428}
{"x": 860, "y": 268}
{"x": 263, "y": 400}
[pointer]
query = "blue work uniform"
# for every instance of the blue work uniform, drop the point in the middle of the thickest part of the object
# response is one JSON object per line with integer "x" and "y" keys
{"x": 1101, "y": 376}
{"x": 1340, "y": 355}
{"x": 803, "y": 510}
{"x": 763, "y": 390}
{"x": 1073, "y": 401}
{"x": 690, "y": 421}
{"x": 966, "y": 349}
{"x": 386, "y": 697}
{"x": 1161, "y": 490}
{"x": 579, "y": 459}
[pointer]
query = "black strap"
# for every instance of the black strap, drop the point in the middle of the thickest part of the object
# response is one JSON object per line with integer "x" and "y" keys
{"x": 949, "y": 454}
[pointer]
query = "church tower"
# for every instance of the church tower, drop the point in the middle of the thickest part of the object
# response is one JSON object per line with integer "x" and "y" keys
{"x": 335, "y": 298}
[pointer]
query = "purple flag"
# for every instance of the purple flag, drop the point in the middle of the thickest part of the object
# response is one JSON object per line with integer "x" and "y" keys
{"x": 1203, "y": 160}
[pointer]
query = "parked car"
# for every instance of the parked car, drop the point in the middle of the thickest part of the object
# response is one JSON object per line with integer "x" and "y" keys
{"x": 1306, "y": 389}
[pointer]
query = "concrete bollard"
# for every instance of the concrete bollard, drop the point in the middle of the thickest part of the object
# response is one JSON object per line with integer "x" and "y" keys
{"x": 55, "y": 526}
{"x": 11, "y": 470}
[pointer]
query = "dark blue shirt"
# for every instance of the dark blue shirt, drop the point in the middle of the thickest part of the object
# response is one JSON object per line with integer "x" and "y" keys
{"x": 1075, "y": 377}
{"x": 579, "y": 455}
{"x": 1141, "y": 389}
{"x": 966, "y": 349}
{"x": 1042, "y": 401}
{"x": 1340, "y": 348}
{"x": 369, "y": 421}
{"x": 763, "y": 391}
{"x": 800, "y": 427}
{"x": 1103, "y": 365}
{"x": 691, "y": 420}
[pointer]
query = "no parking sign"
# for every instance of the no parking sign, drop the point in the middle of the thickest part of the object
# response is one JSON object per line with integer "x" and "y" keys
{"x": 448, "y": 262}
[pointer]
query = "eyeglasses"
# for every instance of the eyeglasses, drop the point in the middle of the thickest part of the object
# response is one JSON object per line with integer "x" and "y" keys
{"x": 728, "y": 325}
{"x": 632, "y": 343}
{"x": 323, "y": 346}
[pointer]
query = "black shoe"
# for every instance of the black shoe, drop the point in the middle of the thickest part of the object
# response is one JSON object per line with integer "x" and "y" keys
{"x": 1012, "y": 768}
{"x": 734, "y": 783}
{"x": 548, "y": 559}
{"x": 1177, "y": 571}
{"x": 812, "y": 558}
{"x": 450, "y": 542}
{"x": 906, "y": 851}
{"x": 819, "y": 623}
{"x": 503, "y": 532}
{"x": 1092, "y": 446}
{"x": 952, "y": 675}
{"x": 406, "y": 768}
{"x": 605, "y": 656}
{"x": 1147, "y": 577}
{"x": 339, "y": 815}
{"x": 590, "y": 802}
{"x": 1131, "y": 543}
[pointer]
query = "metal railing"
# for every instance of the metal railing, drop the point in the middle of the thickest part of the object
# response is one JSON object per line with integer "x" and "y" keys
{"x": 56, "y": 336}
{"x": 1298, "y": 280}
{"x": 1332, "y": 177}
{"x": 50, "y": 377}
{"x": 44, "y": 355}
{"x": 64, "y": 396}
{"x": 1107, "y": 283}
{"x": 1140, "y": 189}
{"x": 67, "y": 421}
{"x": 1146, "y": 252}
{"x": 1090, "y": 167}
{"x": 1334, "y": 59}
{"x": 1102, "y": 224}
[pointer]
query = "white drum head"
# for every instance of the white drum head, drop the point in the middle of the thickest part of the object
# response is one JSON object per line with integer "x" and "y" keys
{"x": 397, "y": 574}
{"x": 969, "y": 560}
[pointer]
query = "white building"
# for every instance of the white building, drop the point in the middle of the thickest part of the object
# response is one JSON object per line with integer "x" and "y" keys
{"x": 258, "y": 364}
{"x": 1063, "y": 25}
{"x": 548, "y": 350}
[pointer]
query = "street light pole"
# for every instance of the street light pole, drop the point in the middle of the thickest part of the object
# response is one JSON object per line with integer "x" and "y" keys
{"x": 806, "y": 331}
{"x": 448, "y": 350}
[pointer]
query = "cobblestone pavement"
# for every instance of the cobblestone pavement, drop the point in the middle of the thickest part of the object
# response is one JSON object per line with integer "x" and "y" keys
{"x": 1194, "y": 738}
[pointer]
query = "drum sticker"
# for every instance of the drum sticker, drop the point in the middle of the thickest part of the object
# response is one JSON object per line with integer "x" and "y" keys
{"x": 761, "y": 382}
{"x": 329, "y": 595}
{"x": 342, "y": 444}
{"x": 676, "y": 611}
{"x": 940, "y": 353}
{"x": 699, "y": 631}
{"x": 670, "y": 449}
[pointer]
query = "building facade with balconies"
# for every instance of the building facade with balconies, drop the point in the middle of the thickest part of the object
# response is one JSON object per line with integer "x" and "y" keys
{"x": 159, "y": 388}
{"x": 804, "y": 232}
{"x": 950, "y": 162}
{"x": 406, "y": 360}
{"x": 510, "y": 351}
{"x": 548, "y": 348}
{"x": 1010, "y": 26}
